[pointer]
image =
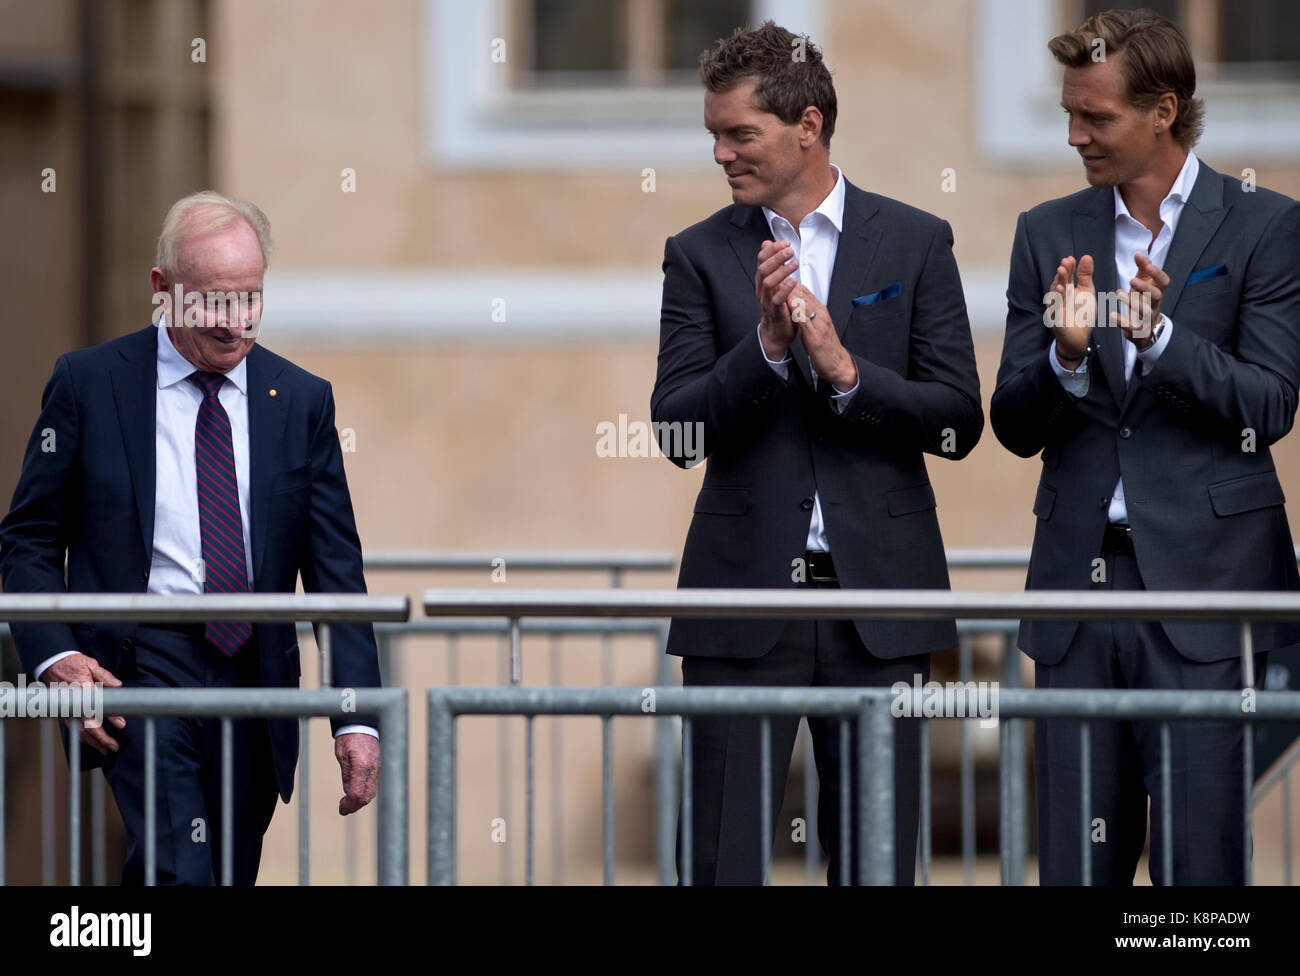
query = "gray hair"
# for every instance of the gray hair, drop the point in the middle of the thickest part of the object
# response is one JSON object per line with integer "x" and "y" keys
{"x": 205, "y": 213}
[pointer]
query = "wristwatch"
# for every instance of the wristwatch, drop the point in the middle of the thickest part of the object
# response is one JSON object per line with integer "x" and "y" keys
{"x": 1144, "y": 345}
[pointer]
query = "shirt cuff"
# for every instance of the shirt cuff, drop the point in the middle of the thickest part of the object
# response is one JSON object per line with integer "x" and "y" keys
{"x": 1151, "y": 354}
{"x": 365, "y": 729}
{"x": 1076, "y": 381}
{"x": 44, "y": 665}
{"x": 840, "y": 401}
{"x": 781, "y": 368}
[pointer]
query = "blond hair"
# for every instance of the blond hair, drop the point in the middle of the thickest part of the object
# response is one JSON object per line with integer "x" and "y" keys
{"x": 203, "y": 213}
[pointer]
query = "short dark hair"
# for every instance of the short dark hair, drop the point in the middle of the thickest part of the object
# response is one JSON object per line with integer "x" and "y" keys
{"x": 1156, "y": 60}
{"x": 787, "y": 70}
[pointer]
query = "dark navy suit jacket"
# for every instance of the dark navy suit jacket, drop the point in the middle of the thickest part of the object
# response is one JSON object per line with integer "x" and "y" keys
{"x": 92, "y": 498}
{"x": 895, "y": 297}
{"x": 1191, "y": 437}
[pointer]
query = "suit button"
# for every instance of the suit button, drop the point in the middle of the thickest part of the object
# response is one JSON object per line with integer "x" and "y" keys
{"x": 127, "y": 645}
{"x": 806, "y": 504}
{"x": 1125, "y": 433}
{"x": 1103, "y": 503}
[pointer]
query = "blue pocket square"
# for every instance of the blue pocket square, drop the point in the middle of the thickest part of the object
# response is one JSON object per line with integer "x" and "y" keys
{"x": 1218, "y": 271}
{"x": 893, "y": 291}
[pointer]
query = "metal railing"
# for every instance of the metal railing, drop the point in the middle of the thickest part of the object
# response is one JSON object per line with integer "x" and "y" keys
{"x": 1244, "y": 607}
{"x": 871, "y": 708}
{"x": 323, "y": 609}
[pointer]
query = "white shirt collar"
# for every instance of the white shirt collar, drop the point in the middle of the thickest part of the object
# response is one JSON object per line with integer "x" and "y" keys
{"x": 1179, "y": 193}
{"x": 173, "y": 367}
{"x": 832, "y": 208}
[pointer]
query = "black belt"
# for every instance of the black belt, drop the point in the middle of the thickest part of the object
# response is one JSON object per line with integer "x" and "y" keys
{"x": 820, "y": 567}
{"x": 1118, "y": 539}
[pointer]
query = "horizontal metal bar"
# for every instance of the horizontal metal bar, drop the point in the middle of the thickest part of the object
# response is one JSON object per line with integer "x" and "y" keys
{"x": 990, "y": 558}
{"x": 560, "y": 559}
{"x": 253, "y": 607}
{"x": 232, "y": 702}
{"x": 482, "y": 625}
{"x": 1010, "y": 703}
{"x": 912, "y": 604}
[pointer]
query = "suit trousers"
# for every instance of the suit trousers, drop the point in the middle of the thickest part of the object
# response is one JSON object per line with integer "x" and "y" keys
{"x": 726, "y": 841}
{"x": 188, "y": 787}
{"x": 1206, "y": 761}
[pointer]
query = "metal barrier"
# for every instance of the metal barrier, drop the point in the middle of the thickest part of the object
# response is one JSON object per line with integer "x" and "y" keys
{"x": 871, "y": 708}
{"x": 323, "y": 609}
{"x": 912, "y": 604}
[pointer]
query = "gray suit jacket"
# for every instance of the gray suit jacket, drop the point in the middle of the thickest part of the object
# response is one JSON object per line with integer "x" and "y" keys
{"x": 1191, "y": 437}
{"x": 896, "y": 300}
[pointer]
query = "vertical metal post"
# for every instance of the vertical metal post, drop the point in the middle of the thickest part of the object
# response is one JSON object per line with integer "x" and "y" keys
{"x": 607, "y": 795}
{"x": 846, "y": 791}
{"x": 528, "y": 800}
{"x": 394, "y": 782}
{"x": 1018, "y": 776}
{"x": 765, "y": 797}
{"x": 811, "y": 786}
{"x": 1247, "y": 753}
{"x": 227, "y": 803}
{"x": 557, "y": 769}
{"x": 1167, "y": 803}
{"x": 74, "y": 803}
{"x": 665, "y": 775}
{"x": 504, "y": 751}
{"x": 98, "y": 827}
{"x": 323, "y": 638}
{"x": 516, "y": 661}
{"x": 687, "y": 806}
{"x": 876, "y": 848}
{"x": 967, "y": 772}
{"x": 304, "y": 801}
{"x": 441, "y": 798}
{"x": 150, "y": 802}
{"x": 47, "y": 802}
{"x": 607, "y": 639}
{"x": 386, "y": 676}
{"x": 925, "y": 801}
{"x": 1085, "y": 799}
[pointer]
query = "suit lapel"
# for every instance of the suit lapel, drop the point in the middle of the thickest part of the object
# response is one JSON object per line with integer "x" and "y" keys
{"x": 266, "y": 424}
{"x": 751, "y": 230}
{"x": 859, "y": 239}
{"x": 1200, "y": 219}
{"x": 1093, "y": 232}
{"x": 135, "y": 395}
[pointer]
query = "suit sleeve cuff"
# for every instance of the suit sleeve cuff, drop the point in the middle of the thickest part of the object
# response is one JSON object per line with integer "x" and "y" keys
{"x": 44, "y": 665}
{"x": 840, "y": 401}
{"x": 1152, "y": 353}
{"x": 364, "y": 729}
{"x": 1075, "y": 382}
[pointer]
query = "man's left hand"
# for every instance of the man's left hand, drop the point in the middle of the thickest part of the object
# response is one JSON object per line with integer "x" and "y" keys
{"x": 1140, "y": 309}
{"x": 358, "y": 756}
{"x": 828, "y": 356}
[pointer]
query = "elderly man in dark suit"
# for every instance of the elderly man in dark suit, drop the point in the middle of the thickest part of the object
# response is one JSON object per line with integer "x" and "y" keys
{"x": 1154, "y": 429}
{"x": 818, "y": 335}
{"x": 187, "y": 459}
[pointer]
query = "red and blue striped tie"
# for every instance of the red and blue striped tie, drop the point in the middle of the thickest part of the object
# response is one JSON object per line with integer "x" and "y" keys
{"x": 225, "y": 568}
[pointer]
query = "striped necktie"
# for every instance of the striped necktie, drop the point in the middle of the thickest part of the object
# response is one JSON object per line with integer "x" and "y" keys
{"x": 225, "y": 568}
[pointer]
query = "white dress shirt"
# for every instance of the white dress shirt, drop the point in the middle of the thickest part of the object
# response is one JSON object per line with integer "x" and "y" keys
{"x": 177, "y": 564}
{"x": 815, "y": 246}
{"x": 1131, "y": 236}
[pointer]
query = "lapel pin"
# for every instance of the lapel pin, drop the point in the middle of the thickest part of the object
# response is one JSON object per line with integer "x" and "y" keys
{"x": 273, "y": 392}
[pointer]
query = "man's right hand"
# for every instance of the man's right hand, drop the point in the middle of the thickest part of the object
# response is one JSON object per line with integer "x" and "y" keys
{"x": 81, "y": 669}
{"x": 773, "y": 284}
{"x": 1078, "y": 309}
